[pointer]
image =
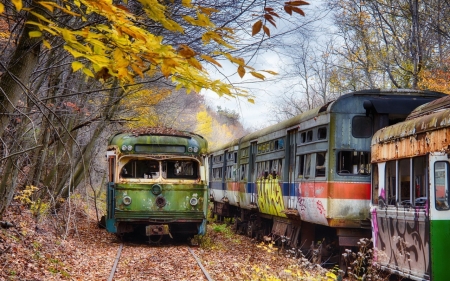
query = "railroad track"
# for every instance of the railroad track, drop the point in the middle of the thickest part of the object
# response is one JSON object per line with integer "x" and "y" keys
{"x": 143, "y": 262}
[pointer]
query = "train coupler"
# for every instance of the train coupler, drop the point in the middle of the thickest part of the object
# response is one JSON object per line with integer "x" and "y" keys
{"x": 162, "y": 229}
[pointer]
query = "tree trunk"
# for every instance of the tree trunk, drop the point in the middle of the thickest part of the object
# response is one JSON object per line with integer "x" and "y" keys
{"x": 14, "y": 81}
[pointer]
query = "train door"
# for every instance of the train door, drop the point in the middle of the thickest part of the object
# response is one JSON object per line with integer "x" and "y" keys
{"x": 289, "y": 182}
{"x": 252, "y": 173}
{"x": 439, "y": 215}
{"x": 110, "y": 192}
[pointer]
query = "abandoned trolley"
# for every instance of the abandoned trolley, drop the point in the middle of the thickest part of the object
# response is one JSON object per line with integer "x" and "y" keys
{"x": 410, "y": 194}
{"x": 157, "y": 183}
{"x": 307, "y": 179}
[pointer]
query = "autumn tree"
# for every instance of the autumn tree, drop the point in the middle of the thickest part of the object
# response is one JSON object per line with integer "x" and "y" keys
{"x": 68, "y": 66}
{"x": 389, "y": 43}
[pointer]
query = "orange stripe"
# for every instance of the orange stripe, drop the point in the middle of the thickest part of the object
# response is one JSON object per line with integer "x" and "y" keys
{"x": 335, "y": 190}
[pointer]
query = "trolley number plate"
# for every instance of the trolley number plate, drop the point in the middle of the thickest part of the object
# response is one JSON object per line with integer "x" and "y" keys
{"x": 161, "y": 229}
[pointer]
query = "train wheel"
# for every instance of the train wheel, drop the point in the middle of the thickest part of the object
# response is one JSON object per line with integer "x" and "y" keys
{"x": 250, "y": 229}
{"x": 156, "y": 240}
{"x": 120, "y": 236}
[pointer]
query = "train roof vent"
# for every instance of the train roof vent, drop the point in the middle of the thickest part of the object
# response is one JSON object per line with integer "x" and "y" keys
{"x": 428, "y": 108}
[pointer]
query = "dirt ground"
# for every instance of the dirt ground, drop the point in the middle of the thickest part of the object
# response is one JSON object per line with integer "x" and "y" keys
{"x": 71, "y": 246}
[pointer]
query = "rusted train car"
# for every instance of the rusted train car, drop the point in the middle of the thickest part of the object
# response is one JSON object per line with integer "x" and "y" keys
{"x": 410, "y": 194}
{"x": 307, "y": 179}
{"x": 157, "y": 183}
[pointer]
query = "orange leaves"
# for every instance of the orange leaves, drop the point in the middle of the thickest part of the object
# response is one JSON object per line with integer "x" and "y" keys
{"x": 270, "y": 15}
{"x": 186, "y": 52}
{"x": 291, "y": 6}
{"x": 256, "y": 27}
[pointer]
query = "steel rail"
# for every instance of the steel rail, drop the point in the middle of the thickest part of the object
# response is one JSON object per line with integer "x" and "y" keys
{"x": 205, "y": 272}
{"x": 116, "y": 261}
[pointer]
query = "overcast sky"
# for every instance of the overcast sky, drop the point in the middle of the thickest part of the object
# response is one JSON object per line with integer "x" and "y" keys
{"x": 266, "y": 93}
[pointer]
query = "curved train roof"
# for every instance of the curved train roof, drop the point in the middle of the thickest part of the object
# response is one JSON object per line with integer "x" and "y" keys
{"x": 151, "y": 135}
{"x": 428, "y": 117}
{"x": 379, "y": 100}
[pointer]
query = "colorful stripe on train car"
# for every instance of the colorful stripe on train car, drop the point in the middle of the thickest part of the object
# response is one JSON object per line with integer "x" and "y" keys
{"x": 336, "y": 204}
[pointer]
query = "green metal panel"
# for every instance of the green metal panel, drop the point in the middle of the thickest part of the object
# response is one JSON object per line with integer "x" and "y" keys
{"x": 440, "y": 246}
{"x": 176, "y": 196}
{"x": 184, "y": 139}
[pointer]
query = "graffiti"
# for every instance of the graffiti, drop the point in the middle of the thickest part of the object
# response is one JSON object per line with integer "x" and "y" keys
{"x": 400, "y": 242}
{"x": 321, "y": 208}
{"x": 310, "y": 208}
{"x": 270, "y": 197}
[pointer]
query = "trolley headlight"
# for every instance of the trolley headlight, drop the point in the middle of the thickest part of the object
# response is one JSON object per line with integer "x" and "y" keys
{"x": 193, "y": 201}
{"x": 160, "y": 201}
{"x": 127, "y": 147}
{"x": 156, "y": 189}
{"x": 126, "y": 200}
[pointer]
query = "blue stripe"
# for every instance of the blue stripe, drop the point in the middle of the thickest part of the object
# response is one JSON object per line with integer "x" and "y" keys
{"x": 288, "y": 189}
{"x": 216, "y": 185}
{"x": 250, "y": 187}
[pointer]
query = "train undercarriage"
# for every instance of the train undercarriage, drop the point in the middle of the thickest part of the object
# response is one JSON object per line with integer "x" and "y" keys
{"x": 320, "y": 244}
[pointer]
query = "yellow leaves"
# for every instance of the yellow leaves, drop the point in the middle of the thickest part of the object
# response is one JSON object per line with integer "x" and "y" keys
{"x": 17, "y": 4}
{"x": 2, "y": 8}
{"x": 76, "y": 65}
{"x": 119, "y": 48}
{"x": 211, "y": 60}
{"x": 257, "y": 75}
{"x": 33, "y": 34}
{"x": 195, "y": 63}
{"x": 204, "y": 123}
{"x": 331, "y": 276}
{"x": 186, "y": 3}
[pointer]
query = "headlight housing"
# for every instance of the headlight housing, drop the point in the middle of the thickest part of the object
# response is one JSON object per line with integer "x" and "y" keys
{"x": 126, "y": 200}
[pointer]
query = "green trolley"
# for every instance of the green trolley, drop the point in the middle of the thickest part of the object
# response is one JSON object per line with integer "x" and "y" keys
{"x": 157, "y": 183}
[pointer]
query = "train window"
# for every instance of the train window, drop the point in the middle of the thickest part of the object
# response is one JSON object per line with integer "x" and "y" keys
{"x": 441, "y": 185}
{"x": 217, "y": 173}
{"x": 111, "y": 168}
{"x": 404, "y": 174}
{"x": 280, "y": 144}
{"x": 320, "y": 164}
{"x": 353, "y": 163}
{"x": 307, "y": 173}
{"x": 309, "y": 136}
{"x": 146, "y": 169}
{"x": 276, "y": 169}
{"x": 375, "y": 184}
{"x": 390, "y": 183}
{"x": 322, "y": 133}
{"x": 187, "y": 169}
{"x": 303, "y": 137}
{"x": 243, "y": 171}
{"x": 301, "y": 165}
{"x": 304, "y": 166}
{"x": 362, "y": 127}
{"x": 218, "y": 158}
{"x": 419, "y": 187}
{"x": 231, "y": 172}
